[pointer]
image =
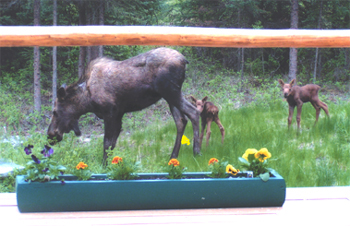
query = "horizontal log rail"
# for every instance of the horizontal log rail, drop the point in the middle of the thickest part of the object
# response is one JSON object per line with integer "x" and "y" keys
{"x": 21, "y": 36}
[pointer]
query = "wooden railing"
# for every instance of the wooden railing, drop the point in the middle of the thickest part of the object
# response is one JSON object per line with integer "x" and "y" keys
{"x": 17, "y": 36}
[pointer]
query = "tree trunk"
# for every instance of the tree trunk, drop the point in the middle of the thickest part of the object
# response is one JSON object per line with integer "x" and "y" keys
{"x": 293, "y": 52}
{"x": 54, "y": 59}
{"x": 319, "y": 27}
{"x": 101, "y": 22}
{"x": 37, "y": 88}
{"x": 82, "y": 52}
{"x": 242, "y": 69}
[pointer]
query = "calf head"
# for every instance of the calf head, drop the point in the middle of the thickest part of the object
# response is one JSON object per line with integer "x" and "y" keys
{"x": 64, "y": 118}
{"x": 199, "y": 103}
{"x": 286, "y": 87}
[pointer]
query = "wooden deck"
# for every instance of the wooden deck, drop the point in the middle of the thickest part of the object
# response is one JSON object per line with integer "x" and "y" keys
{"x": 303, "y": 206}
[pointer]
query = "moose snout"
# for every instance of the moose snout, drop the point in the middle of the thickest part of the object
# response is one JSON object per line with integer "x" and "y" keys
{"x": 285, "y": 95}
{"x": 53, "y": 139}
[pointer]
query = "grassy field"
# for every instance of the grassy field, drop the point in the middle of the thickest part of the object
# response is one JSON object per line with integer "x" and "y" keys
{"x": 316, "y": 156}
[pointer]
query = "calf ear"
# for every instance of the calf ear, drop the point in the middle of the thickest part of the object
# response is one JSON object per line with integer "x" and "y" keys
{"x": 292, "y": 82}
{"x": 193, "y": 99}
{"x": 280, "y": 81}
{"x": 61, "y": 93}
{"x": 205, "y": 99}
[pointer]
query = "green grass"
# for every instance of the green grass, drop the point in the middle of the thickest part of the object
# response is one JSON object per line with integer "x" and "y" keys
{"x": 316, "y": 156}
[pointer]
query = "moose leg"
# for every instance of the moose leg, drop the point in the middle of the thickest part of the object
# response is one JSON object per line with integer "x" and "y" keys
{"x": 290, "y": 117}
{"x": 318, "y": 110}
{"x": 204, "y": 124}
{"x": 221, "y": 127}
{"x": 208, "y": 131}
{"x": 180, "y": 122}
{"x": 299, "y": 106}
{"x": 193, "y": 114}
{"x": 323, "y": 106}
{"x": 112, "y": 130}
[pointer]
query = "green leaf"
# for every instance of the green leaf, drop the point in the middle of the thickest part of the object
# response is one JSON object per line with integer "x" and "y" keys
{"x": 265, "y": 176}
{"x": 244, "y": 161}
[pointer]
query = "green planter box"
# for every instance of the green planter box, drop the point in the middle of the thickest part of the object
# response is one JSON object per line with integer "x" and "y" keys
{"x": 145, "y": 193}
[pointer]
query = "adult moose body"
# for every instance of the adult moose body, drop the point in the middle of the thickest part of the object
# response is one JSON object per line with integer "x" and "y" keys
{"x": 112, "y": 88}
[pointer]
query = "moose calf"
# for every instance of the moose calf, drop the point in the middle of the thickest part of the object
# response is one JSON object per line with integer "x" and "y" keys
{"x": 297, "y": 95}
{"x": 209, "y": 112}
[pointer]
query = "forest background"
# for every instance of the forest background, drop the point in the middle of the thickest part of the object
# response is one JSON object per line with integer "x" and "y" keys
{"x": 232, "y": 77}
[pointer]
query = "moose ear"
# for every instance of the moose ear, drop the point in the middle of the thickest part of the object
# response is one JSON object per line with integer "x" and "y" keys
{"x": 61, "y": 93}
{"x": 205, "y": 99}
{"x": 280, "y": 81}
{"x": 292, "y": 82}
{"x": 193, "y": 99}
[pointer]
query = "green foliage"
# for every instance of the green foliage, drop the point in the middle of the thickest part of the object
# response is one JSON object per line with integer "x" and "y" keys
{"x": 42, "y": 169}
{"x": 218, "y": 169}
{"x": 81, "y": 171}
{"x": 256, "y": 161}
{"x": 174, "y": 169}
{"x": 122, "y": 169}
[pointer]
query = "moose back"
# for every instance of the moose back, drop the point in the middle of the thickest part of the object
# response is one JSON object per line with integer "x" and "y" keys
{"x": 112, "y": 88}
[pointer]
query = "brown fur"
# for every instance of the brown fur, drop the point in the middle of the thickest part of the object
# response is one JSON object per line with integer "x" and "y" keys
{"x": 209, "y": 113}
{"x": 297, "y": 95}
{"x": 111, "y": 88}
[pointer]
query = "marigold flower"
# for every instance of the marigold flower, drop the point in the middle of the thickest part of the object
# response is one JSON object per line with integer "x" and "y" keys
{"x": 250, "y": 151}
{"x": 185, "y": 140}
{"x": 81, "y": 165}
{"x": 230, "y": 169}
{"x": 117, "y": 159}
{"x": 212, "y": 161}
{"x": 174, "y": 162}
{"x": 262, "y": 154}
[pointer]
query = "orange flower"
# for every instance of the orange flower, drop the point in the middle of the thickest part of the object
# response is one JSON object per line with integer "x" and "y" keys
{"x": 117, "y": 159}
{"x": 173, "y": 162}
{"x": 81, "y": 165}
{"x": 212, "y": 160}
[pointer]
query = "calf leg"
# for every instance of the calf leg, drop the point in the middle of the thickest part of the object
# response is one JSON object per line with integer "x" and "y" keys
{"x": 204, "y": 124}
{"x": 299, "y": 107}
{"x": 318, "y": 110}
{"x": 222, "y": 130}
{"x": 323, "y": 106}
{"x": 180, "y": 122}
{"x": 208, "y": 131}
{"x": 290, "y": 116}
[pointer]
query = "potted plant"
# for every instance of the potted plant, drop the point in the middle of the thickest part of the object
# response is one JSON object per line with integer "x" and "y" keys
{"x": 123, "y": 189}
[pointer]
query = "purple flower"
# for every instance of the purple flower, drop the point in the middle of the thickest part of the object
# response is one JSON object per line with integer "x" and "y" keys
{"x": 45, "y": 170}
{"x": 35, "y": 159}
{"x": 28, "y": 149}
{"x": 47, "y": 151}
{"x": 63, "y": 182}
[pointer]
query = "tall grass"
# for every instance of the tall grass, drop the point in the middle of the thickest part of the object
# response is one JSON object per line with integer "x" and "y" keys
{"x": 316, "y": 156}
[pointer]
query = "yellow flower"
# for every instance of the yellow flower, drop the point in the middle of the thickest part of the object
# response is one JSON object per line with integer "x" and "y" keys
{"x": 230, "y": 169}
{"x": 212, "y": 161}
{"x": 250, "y": 151}
{"x": 81, "y": 165}
{"x": 173, "y": 162}
{"x": 262, "y": 154}
{"x": 185, "y": 140}
{"x": 117, "y": 159}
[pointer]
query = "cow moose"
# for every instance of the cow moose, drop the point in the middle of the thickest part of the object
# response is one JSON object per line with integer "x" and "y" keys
{"x": 209, "y": 113}
{"x": 110, "y": 88}
{"x": 297, "y": 95}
